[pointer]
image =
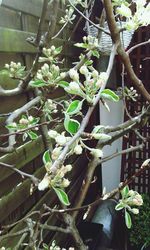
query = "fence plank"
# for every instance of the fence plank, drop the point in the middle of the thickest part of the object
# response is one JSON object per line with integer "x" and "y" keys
{"x": 9, "y": 19}
{"x": 32, "y": 7}
{"x": 15, "y": 41}
{"x": 21, "y": 156}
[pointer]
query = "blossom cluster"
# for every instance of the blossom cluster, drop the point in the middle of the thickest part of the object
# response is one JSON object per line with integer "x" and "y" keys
{"x": 140, "y": 16}
{"x": 16, "y": 70}
{"x": 93, "y": 81}
{"x": 56, "y": 181}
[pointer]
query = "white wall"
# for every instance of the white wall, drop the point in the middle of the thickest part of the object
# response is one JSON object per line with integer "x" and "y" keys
{"x": 111, "y": 169}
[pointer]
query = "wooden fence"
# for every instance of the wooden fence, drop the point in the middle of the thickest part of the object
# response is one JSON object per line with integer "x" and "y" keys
{"x": 18, "y": 21}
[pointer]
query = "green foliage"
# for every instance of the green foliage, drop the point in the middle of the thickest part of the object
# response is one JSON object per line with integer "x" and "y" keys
{"x": 109, "y": 95}
{"x": 46, "y": 157}
{"x": 63, "y": 197}
{"x": 140, "y": 232}
{"x": 74, "y": 107}
{"x": 128, "y": 220}
{"x": 71, "y": 125}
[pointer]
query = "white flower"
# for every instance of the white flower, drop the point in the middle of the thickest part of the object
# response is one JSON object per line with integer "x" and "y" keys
{"x": 74, "y": 75}
{"x": 138, "y": 201}
{"x": 52, "y": 133}
{"x": 101, "y": 136}
{"x": 44, "y": 183}
{"x": 103, "y": 76}
{"x": 131, "y": 25}
{"x": 84, "y": 70}
{"x": 78, "y": 150}
{"x": 30, "y": 118}
{"x": 63, "y": 75}
{"x": 39, "y": 76}
{"x": 7, "y": 66}
{"x": 98, "y": 153}
{"x": 68, "y": 167}
{"x": 65, "y": 182}
{"x": 95, "y": 73}
{"x": 56, "y": 152}
{"x": 61, "y": 140}
{"x": 135, "y": 210}
{"x": 124, "y": 11}
{"x": 23, "y": 121}
{"x": 131, "y": 192}
{"x": 140, "y": 3}
{"x": 74, "y": 86}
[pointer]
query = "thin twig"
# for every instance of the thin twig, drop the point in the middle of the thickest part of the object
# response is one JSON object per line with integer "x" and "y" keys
{"x": 23, "y": 174}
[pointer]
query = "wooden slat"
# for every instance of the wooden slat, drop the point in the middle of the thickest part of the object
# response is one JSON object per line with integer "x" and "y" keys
{"x": 32, "y": 7}
{"x": 14, "y": 199}
{"x": 9, "y": 19}
{"x": 15, "y": 41}
{"x": 21, "y": 156}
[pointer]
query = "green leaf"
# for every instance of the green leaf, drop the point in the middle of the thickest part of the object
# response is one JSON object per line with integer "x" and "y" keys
{"x": 63, "y": 197}
{"x": 81, "y": 45}
{"x": 46, "y": 247}
{"x": 95, "y": 53}
{"x": 125, "y": 191}
{"x": 98, "y": 129}
{"x": 110, "y": 95}
{"x": 88, "y": 62}
{"x": 63, "y": 84}
{"x": 11, "y": 126}
{"x": 119, "y": 206}
{"x": 128, "y": 220}
{"x": 32, "y": 135}
{"x": 58, "y": 50}
{"x": 37, "y": 83}
{"x": 74, "y": 107}
{"x": 46, "y": 157}
{"x": 71, "y": 125}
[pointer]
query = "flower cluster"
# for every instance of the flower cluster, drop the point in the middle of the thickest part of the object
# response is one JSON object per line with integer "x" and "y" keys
{"x": 16, "y": 70}
{"x": 49, "y": 108}
{"x": 130, "y": 93}
{"x": 92, "y": 83}
{"x": 55, "y": 181}
{"x": 139, "y": 18}
{"x": 69, "y": 16}
{"x": 25, "y": 123}
{"x": 60, "y": 139}
{"x": 130, "y": 201}
{"x": 48, "y": 73}
{"x": 50, "y": 54}
{"x": 90, "y": 43}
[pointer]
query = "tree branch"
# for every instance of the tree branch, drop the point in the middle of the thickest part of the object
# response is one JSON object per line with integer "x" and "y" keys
{"x": 114, "y": 30}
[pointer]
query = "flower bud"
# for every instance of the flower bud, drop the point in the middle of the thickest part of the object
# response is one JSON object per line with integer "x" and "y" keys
{"x": 84, "y": 70}
{"x": 44, "y": 183}
{"x": 78, "y": 150}
{"x": 68, "y": 167}
{"x": 124, "y": 11}
{"x": 65, "y": 182}
{"x": 101, "y": 136}
{"x": 135, "y": 210}
{"x": 98, "y": 153}
{"x": 23, "y": 121}
{"x": 95, "y": 73}
{"x": 7, "y": 66}
{"x": 61, "y": 140}
{"x": 103, "y": 76}
{"x": 131, "y": 192}
{"x": 74, "y": 86}
{"x": 74, "y": 75}
{"x": 52, "y": 133}
{"x": 56, "y": 152}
